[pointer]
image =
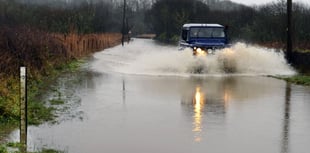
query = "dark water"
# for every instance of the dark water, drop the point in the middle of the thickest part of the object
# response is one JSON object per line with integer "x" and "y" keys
{"x": 117, "y": 112}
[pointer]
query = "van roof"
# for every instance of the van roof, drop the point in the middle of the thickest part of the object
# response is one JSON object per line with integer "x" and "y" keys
{"x": 188, "y": 25}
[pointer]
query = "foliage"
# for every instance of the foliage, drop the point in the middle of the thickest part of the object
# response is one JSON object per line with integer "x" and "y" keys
{"x": 80, "y": 16}
{"x": 56, "y": 102}
{"x": 47, "y": 39}
{"x": 9, "y": 109}
{"x": 44, "y": 55}
{"x": 262, "y": 24}
{"x": 44, "y": 150}
{"x": 83, "y": 18}
{"x": 167, "y": 16}
{"x": 3, "y": 149}
{"x": 9, "y": 103}
{"x": 259, "y": 24}
{"x": 29, "y": 47}
{"x": 14, "y": 144}
{"x": 299, "y": 79}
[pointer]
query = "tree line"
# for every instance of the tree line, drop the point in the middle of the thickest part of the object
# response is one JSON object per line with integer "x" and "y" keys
{"x": 257, "y": 24}
{"x": 81, "y": 16}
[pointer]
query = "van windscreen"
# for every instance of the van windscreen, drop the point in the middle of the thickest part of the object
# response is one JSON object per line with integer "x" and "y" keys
{"x": 206, "y": 32}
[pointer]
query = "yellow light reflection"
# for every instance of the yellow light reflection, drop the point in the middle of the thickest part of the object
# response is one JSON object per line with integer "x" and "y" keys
{"x": 198, "y": 106}
{"x": 227, "y": 97}
{"x": 201, "y": 52}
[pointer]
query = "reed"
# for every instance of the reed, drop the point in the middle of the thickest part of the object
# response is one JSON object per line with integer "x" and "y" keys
{"x": 40, "y": 51}
{"x": 81, "y": 45}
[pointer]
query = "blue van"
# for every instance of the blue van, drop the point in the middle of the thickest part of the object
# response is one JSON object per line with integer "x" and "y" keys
{"x": 203, "y": 38}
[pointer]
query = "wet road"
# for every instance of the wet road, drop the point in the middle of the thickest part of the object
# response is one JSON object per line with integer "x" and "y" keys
{"x": 119, "y": 112}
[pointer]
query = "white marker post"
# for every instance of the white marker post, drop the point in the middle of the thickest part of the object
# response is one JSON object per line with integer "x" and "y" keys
{"x": 23, "y": 109}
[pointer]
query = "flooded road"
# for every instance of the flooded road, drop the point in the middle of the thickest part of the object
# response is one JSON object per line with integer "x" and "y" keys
{"x": 138, "y": 100}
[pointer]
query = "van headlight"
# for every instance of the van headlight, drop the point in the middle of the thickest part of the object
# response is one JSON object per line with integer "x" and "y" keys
{"x": 210, "y": 51}
{"x": 199, "y": 50}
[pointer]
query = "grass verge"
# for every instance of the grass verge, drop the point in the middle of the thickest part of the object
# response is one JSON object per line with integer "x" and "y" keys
{"x": 15, "y": 146}
{"x": 38, "y": 112}
{"x": 298, "y": 79}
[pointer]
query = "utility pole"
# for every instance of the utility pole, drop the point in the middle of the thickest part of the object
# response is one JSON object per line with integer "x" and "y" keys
{"x": 123, "y": 27}
{"x": 289, "y": 45}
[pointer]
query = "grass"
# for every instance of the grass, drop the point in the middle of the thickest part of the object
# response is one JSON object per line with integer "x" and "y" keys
{"x": 50, "y": 151}
{"x": 3, "y": 149}
{"x": 38, "y": 112}
{"x": 16, "y": 145}
{"x": 297, "y": 79}
{"x": 303, "y": 50}
{"x": 71, "y": 66}
{"x": 56, "y": 102}
{"x": 9, "y": 110}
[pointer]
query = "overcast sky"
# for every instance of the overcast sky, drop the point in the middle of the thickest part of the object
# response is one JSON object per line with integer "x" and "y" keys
{"x": 252, "y": 2}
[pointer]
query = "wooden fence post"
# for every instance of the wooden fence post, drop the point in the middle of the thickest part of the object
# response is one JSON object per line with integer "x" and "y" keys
{"x": 23, "y": 109}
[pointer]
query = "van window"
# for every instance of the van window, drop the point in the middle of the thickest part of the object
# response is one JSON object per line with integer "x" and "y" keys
{"x": 207, "y": 32}
{"x": 184, "y": 34}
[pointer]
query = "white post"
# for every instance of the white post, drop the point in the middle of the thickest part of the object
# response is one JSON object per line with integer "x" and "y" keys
{"x": 23, "y": 109}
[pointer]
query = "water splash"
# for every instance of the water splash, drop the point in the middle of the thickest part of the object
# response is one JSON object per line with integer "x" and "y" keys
{"x": 145, "y": 57}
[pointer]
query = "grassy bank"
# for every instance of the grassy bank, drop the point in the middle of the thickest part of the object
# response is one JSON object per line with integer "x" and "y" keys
{"x": 46, "y": 56}
{"x": 37, "y": 111}
{"x": 15, "y": 146}
{"x": 298, "y": 79}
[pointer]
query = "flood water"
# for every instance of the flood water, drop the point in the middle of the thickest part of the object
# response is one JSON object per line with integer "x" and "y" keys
{"x": 147, "y": 98}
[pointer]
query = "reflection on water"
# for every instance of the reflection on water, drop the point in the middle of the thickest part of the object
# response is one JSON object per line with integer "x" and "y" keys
{"x": 227, "y": 96}
{"x": 214, "y": 103}
{"x": 286, "y": 120}
{"x": 198, "y": 102}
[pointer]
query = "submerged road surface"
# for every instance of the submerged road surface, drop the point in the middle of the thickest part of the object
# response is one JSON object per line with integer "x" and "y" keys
{"x": 147, "y": 98}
